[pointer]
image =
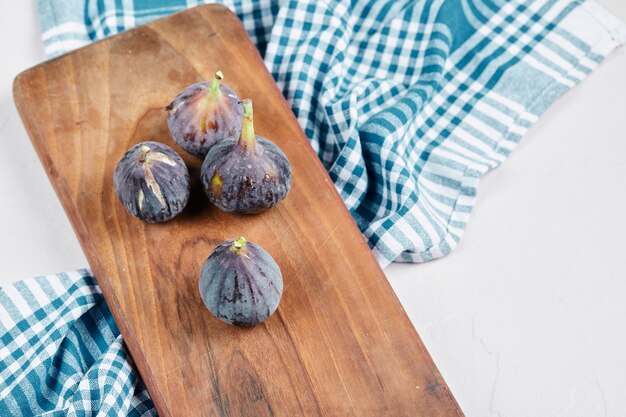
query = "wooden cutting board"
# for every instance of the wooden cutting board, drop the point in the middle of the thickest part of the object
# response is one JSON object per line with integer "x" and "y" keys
{"x": 340, "y": 344}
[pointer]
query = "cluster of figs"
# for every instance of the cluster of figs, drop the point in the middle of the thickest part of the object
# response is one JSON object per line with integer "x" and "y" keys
{"x": 240, "y": 283}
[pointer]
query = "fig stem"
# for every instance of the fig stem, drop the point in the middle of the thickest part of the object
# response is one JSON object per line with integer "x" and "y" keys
{"x": 143, "y": 154}
{"x": 238, "y": 244}
{"x": 214, "y": 88}
{"x": 247, "y": 138}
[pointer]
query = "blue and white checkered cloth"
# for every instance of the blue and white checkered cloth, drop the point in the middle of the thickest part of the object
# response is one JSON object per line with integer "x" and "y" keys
{"x": 407, "y": 104}
{"x": 61, "y": 353}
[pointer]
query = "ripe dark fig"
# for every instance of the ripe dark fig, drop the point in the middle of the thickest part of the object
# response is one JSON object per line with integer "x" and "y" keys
{"x": 247, "y": 174}
{"x": 240, "y": 283}
{"x": 203, "y": 114}
{"x": 152, "y": 182}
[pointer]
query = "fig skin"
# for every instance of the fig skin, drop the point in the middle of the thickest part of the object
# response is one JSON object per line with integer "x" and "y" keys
{"x": 203, "y": 114}
{"x": 240, "y": 283}
{"x": 248, "y": 174}
{"x": 152, "y": 182}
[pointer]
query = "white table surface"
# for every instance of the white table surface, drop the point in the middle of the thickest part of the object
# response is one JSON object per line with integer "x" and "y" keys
{"x": 527, "y": 317}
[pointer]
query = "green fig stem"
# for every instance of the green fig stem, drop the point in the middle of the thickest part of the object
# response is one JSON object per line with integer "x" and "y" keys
{"x": 143, "y": 154}
{"x": 238, "y": 245}
{"x": 247, "y": 138}
{"x": 214, "y": 88}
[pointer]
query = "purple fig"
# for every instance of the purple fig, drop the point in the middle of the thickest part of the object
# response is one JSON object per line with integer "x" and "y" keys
{"x": 203, "y": 114}
{"x": 240, "y": 283}
{"x": 246, "y": 174}
{"x": 152, "y": 182}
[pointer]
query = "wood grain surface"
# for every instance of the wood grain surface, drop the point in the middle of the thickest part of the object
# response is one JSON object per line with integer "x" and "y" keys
{"x": 340, "y": 344}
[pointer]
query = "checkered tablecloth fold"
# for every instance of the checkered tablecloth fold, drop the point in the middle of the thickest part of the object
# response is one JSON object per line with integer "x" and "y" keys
{"x": 406, "y": 103}
{"x": 61, "y": 353}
